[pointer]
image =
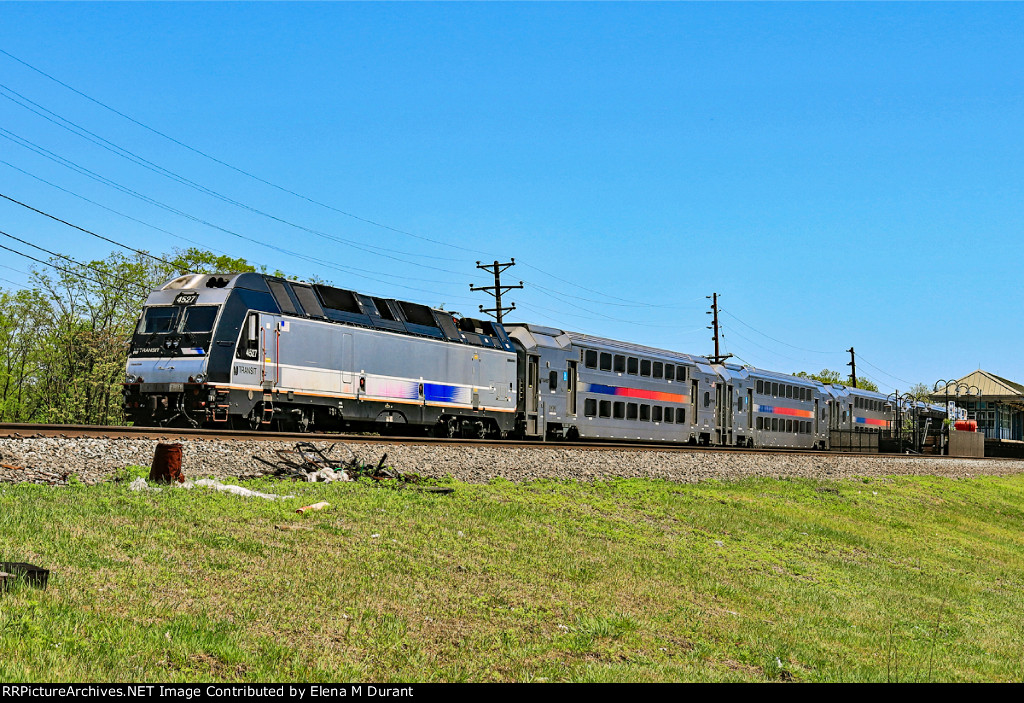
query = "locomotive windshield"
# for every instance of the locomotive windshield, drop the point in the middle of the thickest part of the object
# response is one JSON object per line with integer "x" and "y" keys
{"x": 159, "y": 320}
{"x": 163, "y": 319}
{"x": 199, "y": 318}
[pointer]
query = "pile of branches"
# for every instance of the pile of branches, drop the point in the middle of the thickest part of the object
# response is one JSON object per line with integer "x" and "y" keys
{"x": 307, "y": 462}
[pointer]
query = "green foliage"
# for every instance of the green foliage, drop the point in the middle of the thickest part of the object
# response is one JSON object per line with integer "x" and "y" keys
{"x": 829, "y": 377}
{"x": 63, "y": 343}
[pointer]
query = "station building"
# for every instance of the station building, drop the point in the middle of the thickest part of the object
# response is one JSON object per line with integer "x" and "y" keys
{"x": 997, "y": 405}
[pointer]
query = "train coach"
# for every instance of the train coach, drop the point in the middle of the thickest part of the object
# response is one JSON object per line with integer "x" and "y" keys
{"x": 580, "y": 386}
{"x": 258, "y": 352}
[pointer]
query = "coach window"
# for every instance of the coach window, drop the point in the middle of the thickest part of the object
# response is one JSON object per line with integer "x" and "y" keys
{"x": 775, "y": 389}
{"x": 670, "y": 415}
{"x": 630, "y": 411}
{"x": 590, "y": 407}
{"x": 670, "y": 372}
{"x": 681, "y": 373}
{"x": 632, "y": 365}
{"x": 645, "y": 413}
{"x": 553, "y": 380}
{"x": 760, "y": 423}
{"x": 789, "y": 391}
{"x": 656, "y": 413}
{"x": 645, "y": 367}
{"x": 606, "y": 408}
{"x": 680, "y": 416}
{"x": 590, "y": 359}
{"x": 789, "y": 425}
{"x": 707, "y": 398}
{"x": 659, "y": 369}
{"x": 606, "y": 361}
{"x": 620, "y": 363}
{"x": 619, "y": 410}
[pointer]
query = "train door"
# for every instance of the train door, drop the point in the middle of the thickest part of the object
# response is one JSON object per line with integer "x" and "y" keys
{"x": 571, "y": 389}
{"x": 532, "y": 378}
{"x": 723, "y": 413}
{"x": 750, "y": 414}
{"x": 817, "y": 417}
{"x": 694, "y": 392}
{"x": 346, "y": 363}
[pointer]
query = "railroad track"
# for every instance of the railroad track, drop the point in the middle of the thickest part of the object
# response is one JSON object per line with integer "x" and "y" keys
{"x": 33, "y": 430}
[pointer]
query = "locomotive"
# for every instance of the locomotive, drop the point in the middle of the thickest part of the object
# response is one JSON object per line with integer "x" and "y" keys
{"x": 254, "y": 351}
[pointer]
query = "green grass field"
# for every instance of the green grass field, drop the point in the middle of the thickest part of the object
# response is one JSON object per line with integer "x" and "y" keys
{"x": 908, "y": 579}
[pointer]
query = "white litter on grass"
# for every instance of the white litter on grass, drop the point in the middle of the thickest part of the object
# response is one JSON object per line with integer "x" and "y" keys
{"x": 237, "y": 490}
{"x": 140, "y": 484}
{"x": 327, "y": 476}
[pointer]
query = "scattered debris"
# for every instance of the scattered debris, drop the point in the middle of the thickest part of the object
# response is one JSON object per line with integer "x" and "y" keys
{"x": 237, "y": 490}
{"x": 140, "y": 484}
{"x": 315, "y": 506}
{"x": 12, "y": 466}
{"x": 307, "y": 462}
{"x": 33, "y": 575}
{"x": 303, "y": 528}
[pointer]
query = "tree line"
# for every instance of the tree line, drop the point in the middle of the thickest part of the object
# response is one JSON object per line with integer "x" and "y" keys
{"x": 64, "y": 338}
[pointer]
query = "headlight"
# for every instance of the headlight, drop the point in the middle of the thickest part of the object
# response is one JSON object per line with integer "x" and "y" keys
{"x": 131, "y": 378}
{"x": 200, "y": 377}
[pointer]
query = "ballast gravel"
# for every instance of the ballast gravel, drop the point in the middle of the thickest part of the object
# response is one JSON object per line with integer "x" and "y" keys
{"x": 54, "y": 460}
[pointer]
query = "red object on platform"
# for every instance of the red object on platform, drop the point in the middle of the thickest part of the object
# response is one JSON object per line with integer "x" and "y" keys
{"x": 966, "y": 425}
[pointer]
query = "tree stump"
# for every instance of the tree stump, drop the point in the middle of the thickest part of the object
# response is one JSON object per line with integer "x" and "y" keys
{"x": 166, "y": 464}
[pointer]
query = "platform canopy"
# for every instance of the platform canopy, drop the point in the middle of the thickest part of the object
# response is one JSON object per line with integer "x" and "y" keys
{"x": 991, "y": 388}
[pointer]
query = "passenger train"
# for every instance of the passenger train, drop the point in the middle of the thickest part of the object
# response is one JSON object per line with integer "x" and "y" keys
{"x": 253, "y": 351}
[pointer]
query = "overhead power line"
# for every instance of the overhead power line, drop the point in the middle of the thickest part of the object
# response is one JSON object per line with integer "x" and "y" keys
{"x": 284, "y": 189}
{"x": 89, "y": 232}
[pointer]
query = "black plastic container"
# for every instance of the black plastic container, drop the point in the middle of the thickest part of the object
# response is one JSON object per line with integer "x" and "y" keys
{"x": 33, "y": 575}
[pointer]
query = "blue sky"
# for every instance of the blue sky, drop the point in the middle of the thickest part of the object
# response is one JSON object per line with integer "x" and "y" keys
{"x": 841, "y": 174}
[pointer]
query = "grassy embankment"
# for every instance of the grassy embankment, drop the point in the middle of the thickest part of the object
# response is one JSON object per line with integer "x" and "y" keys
{"x": 905, "y": 579}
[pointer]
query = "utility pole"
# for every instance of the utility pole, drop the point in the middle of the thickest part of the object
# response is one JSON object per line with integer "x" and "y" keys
{"x": 497, "y": 289}
{"x": 717, "y": 358}
{"x": 853, "y": 367}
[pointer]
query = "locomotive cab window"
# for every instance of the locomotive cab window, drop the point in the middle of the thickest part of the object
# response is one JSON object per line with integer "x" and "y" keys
{"x": 159, "y": 320}
{"x": 199, "y": 318}
{"x": 248, "y": 340}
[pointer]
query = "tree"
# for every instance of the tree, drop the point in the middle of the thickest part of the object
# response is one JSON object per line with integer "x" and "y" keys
{"x": 828, "y": 377}
{"x": 64, "y": 343}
